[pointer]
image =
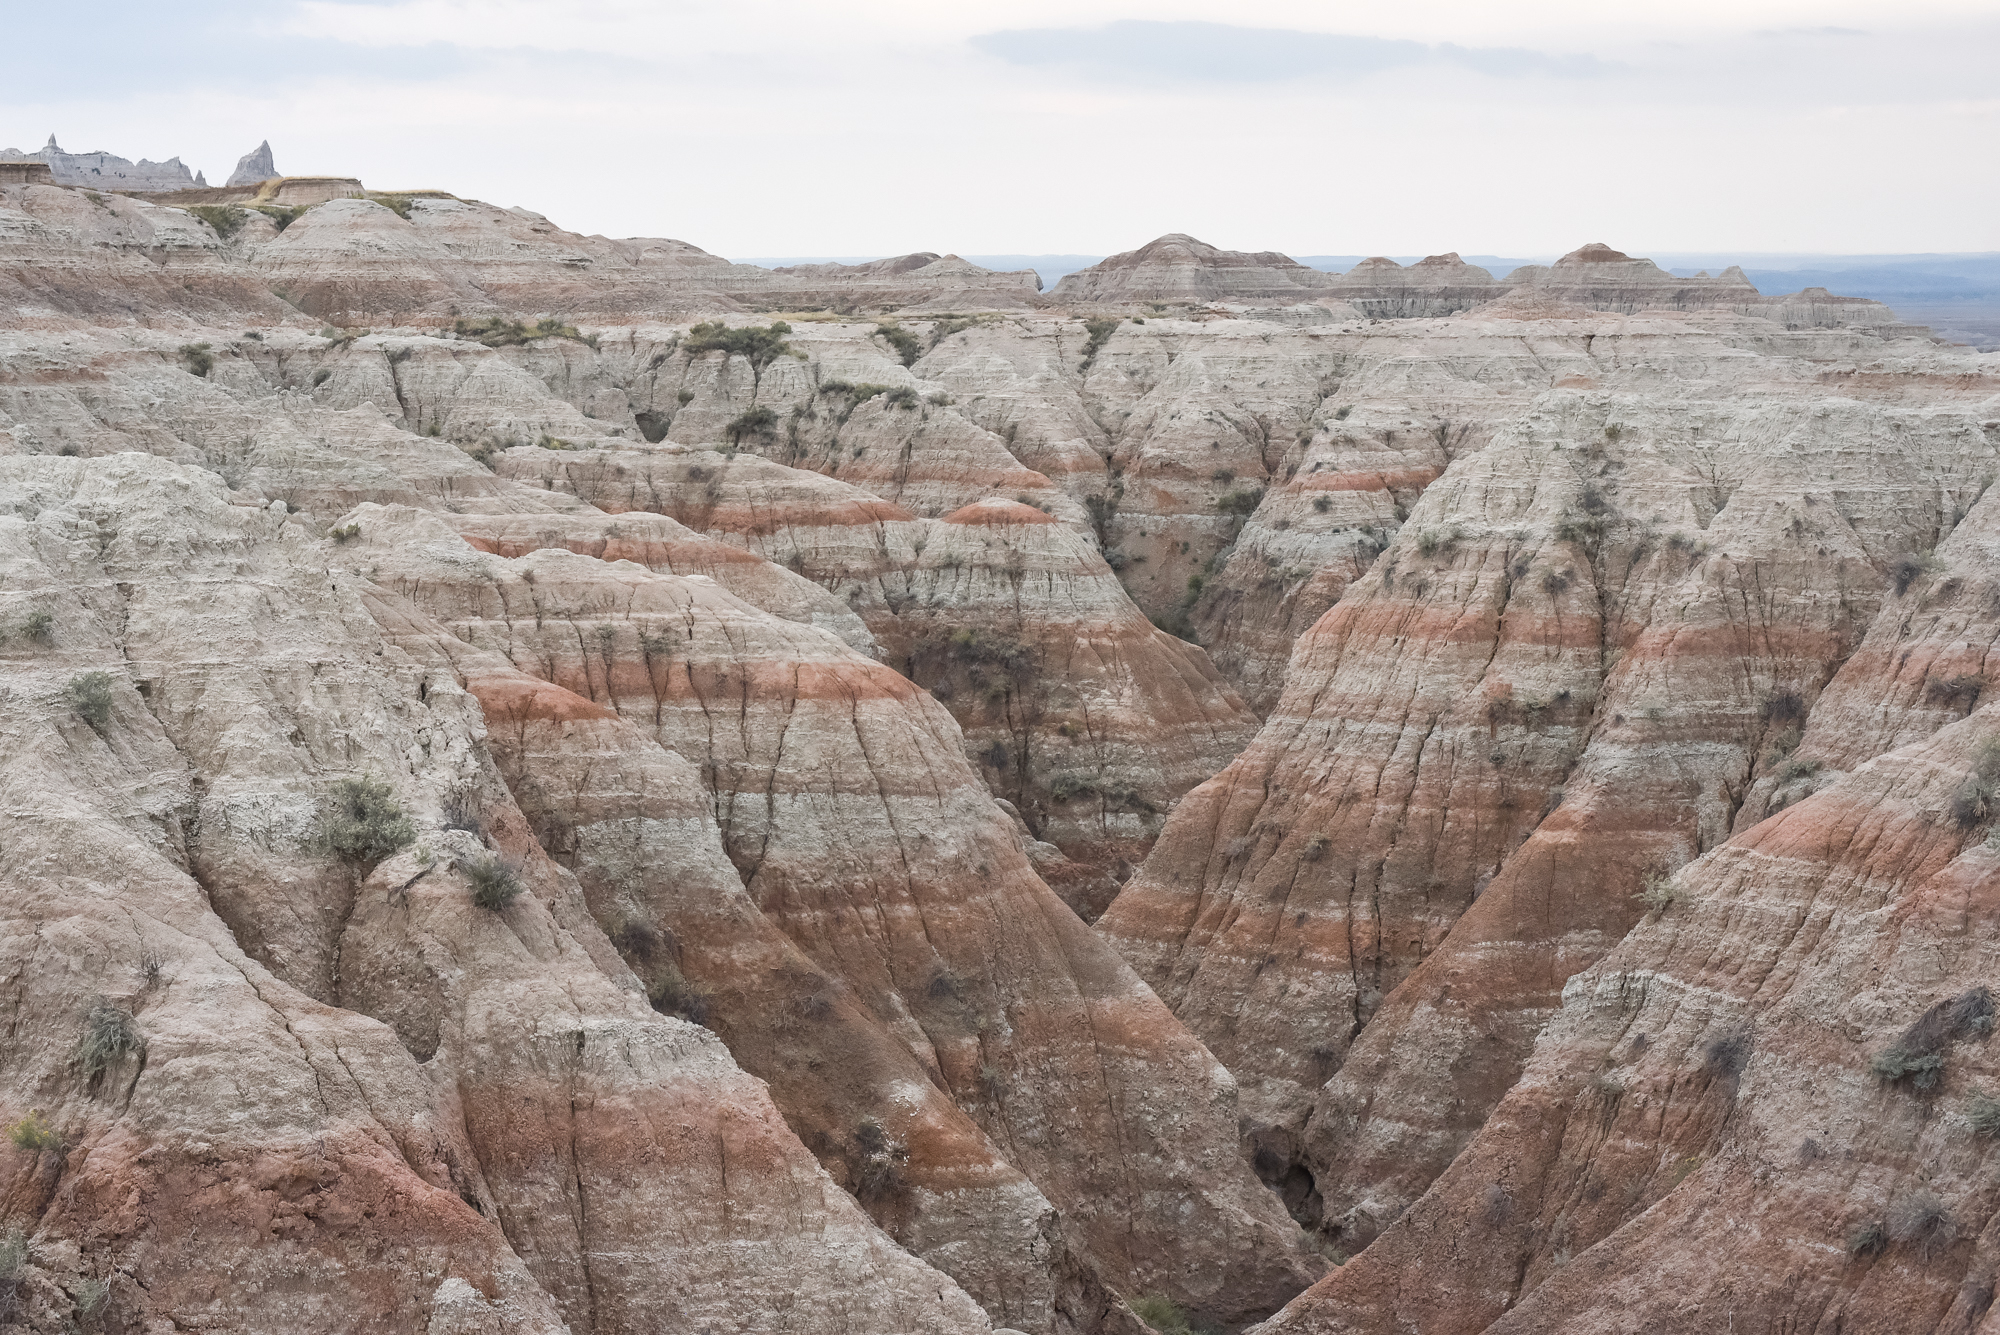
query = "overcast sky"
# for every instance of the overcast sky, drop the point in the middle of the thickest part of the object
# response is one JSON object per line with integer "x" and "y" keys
{"x": 855, "y": 127}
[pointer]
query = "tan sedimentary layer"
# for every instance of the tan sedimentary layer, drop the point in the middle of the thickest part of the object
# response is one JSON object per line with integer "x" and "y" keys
{"x": 478, "y": 1109}
{"x": 1702, "y": 1114}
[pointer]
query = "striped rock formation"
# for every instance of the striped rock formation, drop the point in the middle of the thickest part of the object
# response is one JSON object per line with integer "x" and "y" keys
{"x": 912, "y": 914}
{"x": 1588, "y": 938}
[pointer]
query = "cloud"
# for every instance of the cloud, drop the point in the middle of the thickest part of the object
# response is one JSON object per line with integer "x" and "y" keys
{"x": 1223, "y": 53}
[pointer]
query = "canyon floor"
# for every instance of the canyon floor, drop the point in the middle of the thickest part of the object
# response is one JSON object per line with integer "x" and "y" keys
{"x": 560, "y": 784}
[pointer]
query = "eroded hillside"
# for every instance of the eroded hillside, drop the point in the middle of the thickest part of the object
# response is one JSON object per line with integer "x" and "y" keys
{"x": 539, "y": 795}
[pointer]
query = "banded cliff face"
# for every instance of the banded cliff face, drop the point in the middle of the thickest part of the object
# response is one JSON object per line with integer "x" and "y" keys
{"x": 1724, "y": 1098}
{"x": 1621, "y": 642}
{"x": 373, "y": 1103}
{"x": 1082, "y": 715}
{"x": 1591, "y": 643}
{"x": 862, "y": 834}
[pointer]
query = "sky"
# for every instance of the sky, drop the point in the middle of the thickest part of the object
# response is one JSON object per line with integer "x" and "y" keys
{"x": 877, "y": 127}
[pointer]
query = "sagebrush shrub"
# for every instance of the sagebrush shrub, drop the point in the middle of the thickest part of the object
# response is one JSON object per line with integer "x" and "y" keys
{"x": 672, "y": 994}
{"x": 495, "y": 881}
{"x": 90, "y": 697}
{"x": 759, "y": 421}
{"x": 1919, "y": 1217}
{"x": 1866, "y": 1238}
{"x": 109, "y": 1035}
{"x": 1917, "y": 1055}
{"x": 1983, "y": 1111}
{"x": 363, "y": 821}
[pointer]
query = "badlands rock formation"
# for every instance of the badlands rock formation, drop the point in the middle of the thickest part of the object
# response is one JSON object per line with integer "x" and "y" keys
{"x": 107, "y": 171}
{"x": 541, "y": 797}
{"x": 254, "y": 167}
{"x": 1176, "y": 269}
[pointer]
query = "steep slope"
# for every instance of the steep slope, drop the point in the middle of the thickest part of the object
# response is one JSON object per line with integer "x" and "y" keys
{"x": 1435, "y": 285}
{"x": 1547, "y": 691}
{"x": 1621, "y": 799}
{"x": 449, "y": 1130}
{"x": 861, "y": 832}
{"x": 1088, "y": 719}
{"x": 1718, "y": 1101}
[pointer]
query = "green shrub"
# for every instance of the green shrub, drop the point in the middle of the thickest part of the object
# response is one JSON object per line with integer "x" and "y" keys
{"x": 33, "y": 1134}
{"x": 1241, "y": 501}
{"x": 952, "y": 324}
{"x": 495, "y": 331}
{"x": 1906, "y": 569}
{"x": 91, "y": 1295}
{"x": 90, "y": 697}
{"x": 1916, "y": 1058}
{"x": 364, "y": 823}
{"x": 13, "y": 1263}
{"x": 760, "y": 345}
{"x": 346, "y": 533}
{"x": 1582, "y": 531}
{"x": 495, "y": 881}
{"x": 879, "y": 1174}
{"x": 1069, "y": 787}
{"x": 1975, "y": 798}
{"x": 1432, "y": 541}
{"x": 672, "y": 994}
{"x": 108, "y": 1036}
{"x": 396, "y": 204}
{"x": 759, "y": 421}
{"x": 1162, "y": 1313}
{"x": 903, "y": 341}
{"x": 226, "y": 219}
{"x": 1795, "y": 769}
{"x": 1727, "y": 1054}
{"x": 1096, "y": 334}
{"x": 39, "y": 626}
{"x": 283, "y": 215}
{"x": 197, "y": 358}
{"x": 1919, "y": 1217}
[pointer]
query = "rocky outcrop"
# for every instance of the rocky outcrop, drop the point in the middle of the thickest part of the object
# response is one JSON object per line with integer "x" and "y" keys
{"x": 461, "y": 1122}
{"x": 65, "y": 256}
{"x": 1436, "y": 285}
{"x": 1600, "y": 278}
{"x": 107, "y": 171}
{"x": 1178, "y": 270}
{"x": 1797, "y": 1037}
{"x": 844, "y": 799}
{"x": 254, "y": 167}
{"x": 1438, "y": 826}
{"x": 804, "y": 677}
{"x": 933, "y": 282}
{"x": 1087, "y": 719}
